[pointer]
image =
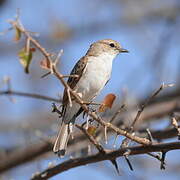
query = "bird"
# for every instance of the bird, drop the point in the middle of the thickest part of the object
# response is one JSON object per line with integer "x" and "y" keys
{"x": 93, "y": 72}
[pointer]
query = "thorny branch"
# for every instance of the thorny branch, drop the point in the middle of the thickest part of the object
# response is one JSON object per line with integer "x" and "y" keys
{"x": 99, "y": 157}
{"x": 126, "y": 140}
{"x": 35, "y": 150}
{"x": 98, "y": 146}
{"x": 143, "y": 106}
{"x": 92, "y": 139}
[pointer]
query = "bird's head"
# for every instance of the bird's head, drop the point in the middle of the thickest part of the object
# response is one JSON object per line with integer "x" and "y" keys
{"x": 106, "y": 46}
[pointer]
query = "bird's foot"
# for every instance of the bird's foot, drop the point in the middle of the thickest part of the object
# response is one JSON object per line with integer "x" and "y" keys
{"x": 61, "y": 153}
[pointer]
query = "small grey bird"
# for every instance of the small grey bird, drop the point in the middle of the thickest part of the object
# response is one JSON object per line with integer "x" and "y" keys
{"x": 94, "y": 71}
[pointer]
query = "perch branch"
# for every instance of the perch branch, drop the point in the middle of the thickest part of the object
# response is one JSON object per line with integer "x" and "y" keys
{"x": 69, "y": 164}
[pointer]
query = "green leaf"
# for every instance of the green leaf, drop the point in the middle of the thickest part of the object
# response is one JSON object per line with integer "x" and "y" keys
{"x": 25, "y": 58}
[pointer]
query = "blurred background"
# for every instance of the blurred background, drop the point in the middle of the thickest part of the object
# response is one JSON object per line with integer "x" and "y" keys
{"x": 148, "y": 29}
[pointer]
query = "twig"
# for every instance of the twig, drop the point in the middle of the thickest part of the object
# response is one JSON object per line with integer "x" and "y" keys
{"x": 29, "y": 95}
{"x": 46, "y": 74}
{"x": 149, "y": 135}
{"x": 147, "y": 102}
{"x": 92, "y": 103}
{"x": 18, "y": 25}
{"x": 92, "y": 139}
{"x": 73, "y": 75}
{"x": 157, "y": 156}
{"x": 7, "y": 81}
{"x": 98, "y": 146}
{"x": 164, "y": 134}
{"x": 58, "y": 57}
{"x": 163, "y": 160}
{"x": 125, "y": 141}
{"x": 64, "y": 76}
{"x": 117, "y": 113}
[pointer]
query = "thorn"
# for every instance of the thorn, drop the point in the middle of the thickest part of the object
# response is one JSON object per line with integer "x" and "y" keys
{"x": 162, "y": 167}
{"x": 129, "y": 163}
{"x": 46, "y": 74}
{"x": 149, "y": 135}
{"x": 58, "y": 57}
{"x": 114, "y": 162}
{"x": 126, "y": 154}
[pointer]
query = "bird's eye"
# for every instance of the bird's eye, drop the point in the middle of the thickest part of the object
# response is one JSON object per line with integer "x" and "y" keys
{"x": 112, "y": 44}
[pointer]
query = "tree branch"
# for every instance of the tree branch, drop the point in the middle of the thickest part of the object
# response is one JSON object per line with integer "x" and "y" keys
{"x": 92, "y": 139}
{"x": 101, "y": 157}
{"x": 144, "y": 105}
{"x": 23, "y": 155}
{"x": 29, "y": 95}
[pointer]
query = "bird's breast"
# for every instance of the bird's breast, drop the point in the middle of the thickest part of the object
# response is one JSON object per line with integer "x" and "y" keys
{"x": 94, "y": 78}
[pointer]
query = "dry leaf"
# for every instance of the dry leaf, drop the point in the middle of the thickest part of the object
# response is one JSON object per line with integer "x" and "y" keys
{"x": 32, "y": 49}
{"x": 107, "y": 102}
{"x": 91, "y": 130}
{"x": 45, "y": 64}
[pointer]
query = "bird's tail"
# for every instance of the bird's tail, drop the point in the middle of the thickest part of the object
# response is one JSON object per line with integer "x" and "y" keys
{"x": 62, "y": 139}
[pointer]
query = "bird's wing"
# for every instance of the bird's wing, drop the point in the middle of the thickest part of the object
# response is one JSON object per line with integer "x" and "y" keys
{"x": 72, "y": 81}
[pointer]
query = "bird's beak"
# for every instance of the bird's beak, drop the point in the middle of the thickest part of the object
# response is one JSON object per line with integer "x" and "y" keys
{"x": 122, "y": 50}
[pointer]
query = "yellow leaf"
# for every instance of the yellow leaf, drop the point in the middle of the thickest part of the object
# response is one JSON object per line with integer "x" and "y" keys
{"x": 91, "y": 130}
{"x": 25, "y": 58}
{"x": 107, "y": 102}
